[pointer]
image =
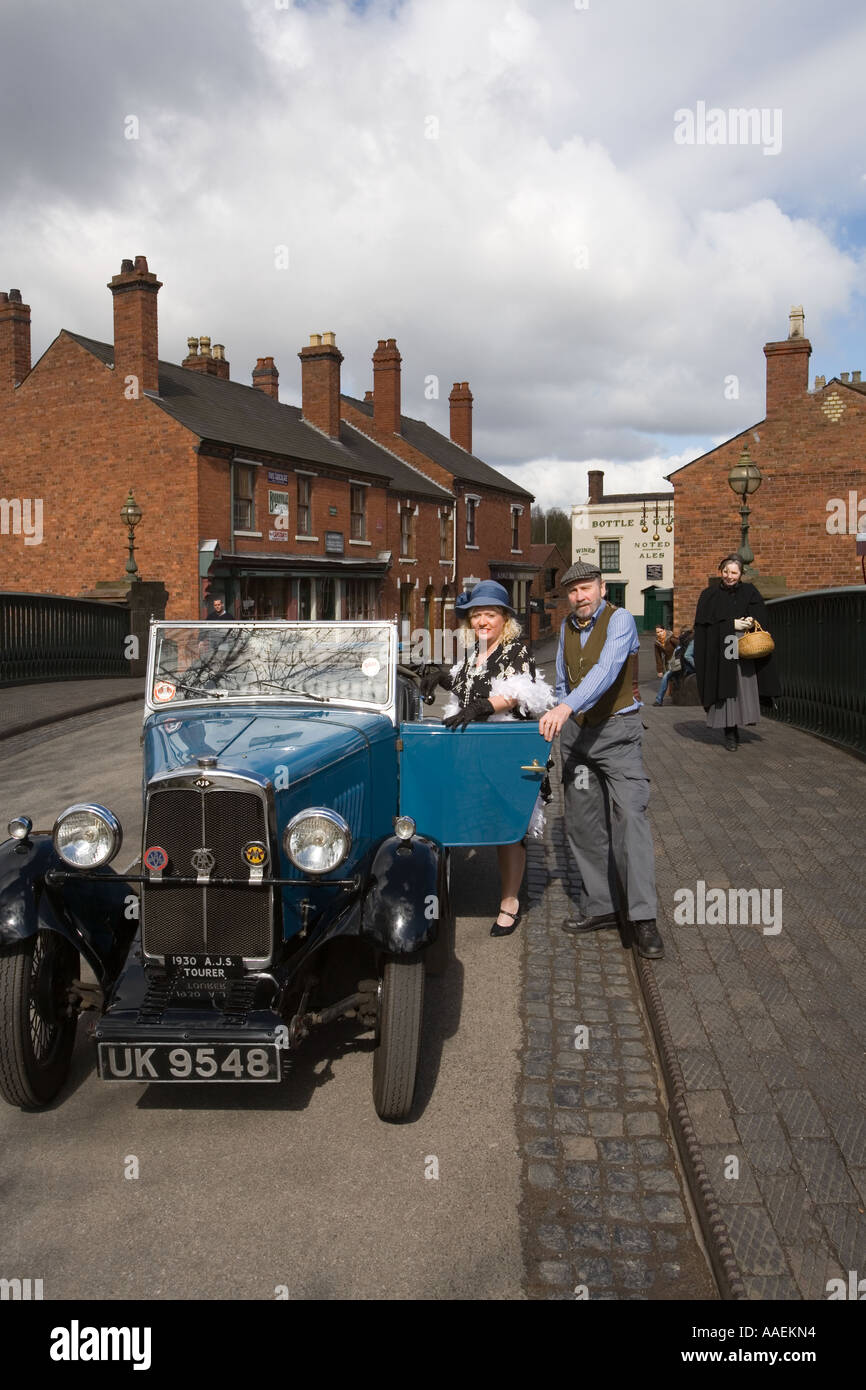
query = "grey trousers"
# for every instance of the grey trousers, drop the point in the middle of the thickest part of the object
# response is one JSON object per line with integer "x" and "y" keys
{"x": 606, "y": 794}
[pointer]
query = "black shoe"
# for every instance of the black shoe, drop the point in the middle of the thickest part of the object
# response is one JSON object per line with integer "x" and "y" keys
{"x": 731, "y": 739}
{"x": 496, "y": 930}
{"x": 649, "y": 943}
{"x": 575, "y": 926}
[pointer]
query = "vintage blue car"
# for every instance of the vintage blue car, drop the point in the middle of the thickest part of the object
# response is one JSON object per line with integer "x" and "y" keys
{"x": 298, "y": 816}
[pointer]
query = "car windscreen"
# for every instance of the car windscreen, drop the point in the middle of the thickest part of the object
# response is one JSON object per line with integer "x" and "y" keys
{"x": 320, "y": 662}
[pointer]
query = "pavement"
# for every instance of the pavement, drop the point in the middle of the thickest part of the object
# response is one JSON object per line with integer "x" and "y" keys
{"x": 26, "y": 707}
{"x": 722, "y": 1088}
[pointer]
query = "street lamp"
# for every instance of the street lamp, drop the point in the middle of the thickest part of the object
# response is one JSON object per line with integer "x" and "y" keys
{"x": 130, "y": 515}
{"x": 745, "y": 478}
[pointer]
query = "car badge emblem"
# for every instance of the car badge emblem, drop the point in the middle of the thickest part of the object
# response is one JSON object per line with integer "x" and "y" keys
{"x": 255, "y": 854}
{"x": 155, "y": 858}
{"x": 202, "y": 781}
{"x": 203, "y": 862}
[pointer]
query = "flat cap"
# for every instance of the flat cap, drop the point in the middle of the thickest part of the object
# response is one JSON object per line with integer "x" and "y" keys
{"x": 579, "y": 571}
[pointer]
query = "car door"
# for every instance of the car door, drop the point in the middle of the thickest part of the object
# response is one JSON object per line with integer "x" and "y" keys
{"x": 471, "y": 787}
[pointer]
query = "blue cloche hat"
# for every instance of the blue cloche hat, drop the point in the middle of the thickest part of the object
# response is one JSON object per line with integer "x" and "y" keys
{"x": 487, "y": 594}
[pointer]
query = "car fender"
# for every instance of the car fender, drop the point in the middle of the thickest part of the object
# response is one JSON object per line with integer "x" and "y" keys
{"x": 400, "y": 910}
{"x": 99, "y": 917}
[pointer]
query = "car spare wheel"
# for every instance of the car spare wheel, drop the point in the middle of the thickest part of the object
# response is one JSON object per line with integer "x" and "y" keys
{"x": 37, "y": 1031}
{"x": 395, "y": 1060}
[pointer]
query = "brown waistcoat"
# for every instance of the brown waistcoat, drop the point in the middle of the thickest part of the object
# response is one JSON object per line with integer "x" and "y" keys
{"x": 579, "y": 661}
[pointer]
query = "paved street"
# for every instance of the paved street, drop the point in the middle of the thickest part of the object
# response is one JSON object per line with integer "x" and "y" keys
{"x": 558, "y": 1175}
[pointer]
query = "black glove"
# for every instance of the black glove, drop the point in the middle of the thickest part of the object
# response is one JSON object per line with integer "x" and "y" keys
{"x": 470, "y": 714}
{"x": 431, "y": 677}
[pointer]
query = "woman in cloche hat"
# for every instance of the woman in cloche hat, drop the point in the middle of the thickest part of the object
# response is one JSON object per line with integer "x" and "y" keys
{"x": 496, "y": 680}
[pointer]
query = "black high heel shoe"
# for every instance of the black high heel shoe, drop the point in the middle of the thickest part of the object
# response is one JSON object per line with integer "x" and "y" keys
{"x": 496, "y": 930}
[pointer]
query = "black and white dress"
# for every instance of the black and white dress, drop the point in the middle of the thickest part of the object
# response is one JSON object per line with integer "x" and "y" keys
{"x": 508, "y": 670}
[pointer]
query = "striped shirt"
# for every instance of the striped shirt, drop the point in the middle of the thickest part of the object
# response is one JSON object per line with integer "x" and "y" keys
{"x": 621, "y": 641}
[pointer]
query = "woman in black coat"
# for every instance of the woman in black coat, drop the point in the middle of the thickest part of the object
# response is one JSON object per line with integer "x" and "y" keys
{"x": 731, "y": 690}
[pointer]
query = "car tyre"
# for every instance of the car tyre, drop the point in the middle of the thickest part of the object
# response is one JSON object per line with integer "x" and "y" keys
{"x": 439, "y": 956}
{"x": 395, "y": 1060}
{"x": 37, "y": 1032}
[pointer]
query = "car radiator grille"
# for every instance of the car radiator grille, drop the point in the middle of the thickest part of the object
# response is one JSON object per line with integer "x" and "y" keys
{"x": 180, "y": 919}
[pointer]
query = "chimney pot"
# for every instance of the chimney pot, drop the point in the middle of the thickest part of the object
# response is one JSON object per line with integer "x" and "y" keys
{"x": 204, "y": 345}
{"x": 192, "y": 344}
{"x": 329, "y": 339}
{"x": 15, "y": 296}
{"x": 315, "y": 340}
{"x": 141, "y": 263}
{"x": 788, "y": 365}
{"x": 595, "y": 478}
{"x": 126, "y": 267}
{"x": 855, "y": 376}
{"x": 368, "y": 396}
{"x": 796, "y": 322}
{"x": 844, "y": 376}
{"x": 820, "y": 383}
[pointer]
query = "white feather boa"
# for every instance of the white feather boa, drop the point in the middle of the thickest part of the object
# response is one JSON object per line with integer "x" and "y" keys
{"x": 533, "y": 696}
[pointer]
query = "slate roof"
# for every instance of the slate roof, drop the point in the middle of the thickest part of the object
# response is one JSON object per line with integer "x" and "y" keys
{"x": 247, "y": 418}
{"x": 447, "y": 454}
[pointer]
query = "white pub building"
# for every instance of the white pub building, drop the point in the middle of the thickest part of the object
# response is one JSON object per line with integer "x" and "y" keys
{"x": 630, "y": 536}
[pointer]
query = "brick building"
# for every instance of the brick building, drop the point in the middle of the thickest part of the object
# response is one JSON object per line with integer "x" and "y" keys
{"x": 340, "y": 508}
{"x": 811, "y": 450}
{"x": 549, "y": 603}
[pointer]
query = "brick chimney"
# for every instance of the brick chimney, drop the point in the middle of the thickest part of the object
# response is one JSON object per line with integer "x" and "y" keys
{"x": 266, "y": 377}
{"x": 596, "y": 484}
{"x": 14, "y": 340}
{"x": 220, "y": 361}
{"x": 788, "y": 365}
{"x": 199, "y": 358}
{"x": 320, "y": 383}
{"x": 136, "y": 351}
{"x": 386, "y": 386}
{"x": 460, "y": 402}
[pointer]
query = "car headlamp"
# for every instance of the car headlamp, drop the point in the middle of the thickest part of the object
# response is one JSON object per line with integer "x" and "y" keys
{"x": 87, "y": 837}
{"x": 404, "y": 827}
{"x": 317, "y": 841}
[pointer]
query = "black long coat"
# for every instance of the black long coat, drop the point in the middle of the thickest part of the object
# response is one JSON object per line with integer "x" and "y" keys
{"x": 714, "y": 623}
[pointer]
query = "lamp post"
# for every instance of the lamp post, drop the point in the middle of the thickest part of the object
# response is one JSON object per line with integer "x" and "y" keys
{"x": 745, "y": 478}
{"x": 130, "y": 515}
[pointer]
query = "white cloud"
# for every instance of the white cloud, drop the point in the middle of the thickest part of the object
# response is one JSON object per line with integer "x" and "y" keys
{"x": 595, "y": 283}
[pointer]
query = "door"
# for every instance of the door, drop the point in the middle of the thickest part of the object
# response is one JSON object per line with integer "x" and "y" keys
{"x": 616, "y": 595}
{"x": 475, "y": 787}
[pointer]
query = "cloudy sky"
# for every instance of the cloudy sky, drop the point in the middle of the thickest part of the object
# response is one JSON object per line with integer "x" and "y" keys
{"x": 504, "y": 187}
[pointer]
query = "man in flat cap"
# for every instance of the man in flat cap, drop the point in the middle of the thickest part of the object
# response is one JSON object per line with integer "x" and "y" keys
{"x": 606, "y": 788}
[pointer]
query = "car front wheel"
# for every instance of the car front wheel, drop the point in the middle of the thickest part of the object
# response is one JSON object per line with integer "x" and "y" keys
{"x": 37, "y": 1028}
{"x": 395, "y": 1060}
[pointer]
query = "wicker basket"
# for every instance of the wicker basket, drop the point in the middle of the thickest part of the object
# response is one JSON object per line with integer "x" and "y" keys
{"x": 756, "y": 643}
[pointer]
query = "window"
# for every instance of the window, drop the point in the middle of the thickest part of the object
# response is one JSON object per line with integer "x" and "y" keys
{"x": 515, "y": 528}
{"x": 358, "y": 513}
{"x": 244, "y": 490}
{"x": 551, "y": 579}
{"x": 471, "y": 505}
{"x": 407, "y": 532}
{"x": 445, "y": 534}
{"x": 305, "y": 510}
{"x": 608, "y": 557}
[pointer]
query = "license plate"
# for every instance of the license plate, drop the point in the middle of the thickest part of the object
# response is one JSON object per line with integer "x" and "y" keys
{"x": 176, "y": 1062}
{"x": 203, "y": 974}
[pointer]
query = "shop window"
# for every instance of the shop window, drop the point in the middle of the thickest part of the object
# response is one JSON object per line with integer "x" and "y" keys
{"x": 608, "y": 557}
{"x": 358, "y": 518}
{"x": 244, "y": 490}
